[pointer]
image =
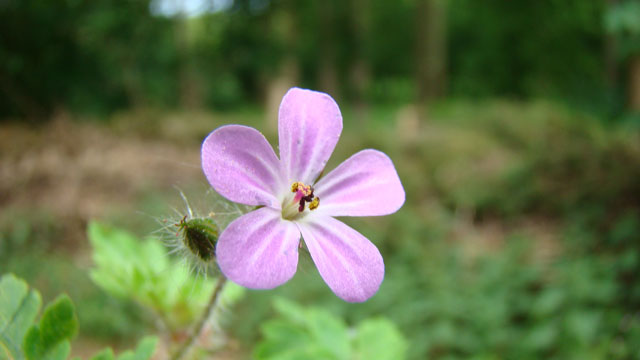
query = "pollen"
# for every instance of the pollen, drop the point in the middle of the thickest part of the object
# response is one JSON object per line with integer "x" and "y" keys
{"x": 314, "y": 203}
{"x": 301, "y": 188}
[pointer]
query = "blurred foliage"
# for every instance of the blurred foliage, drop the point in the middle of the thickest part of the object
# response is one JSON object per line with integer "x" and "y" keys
{"x": 20, "y": 306}
{"x": 141, "y": 270}
{"x": 519, "y": 238}
{"x": 49, "y": 339}
{"x": 314, "y": 333}
{"x": 542, "y": 158}
{"x": 144, "y": 351}
{"x": 475, "y": 167}
{"x": 503, "y": 306}
{"x": 528, "y": 48}
{"x": 39, "y": 237}
{"x": 97, "y": 56}
{"x": 80, "y": 54}
{"x": 623, "y": 20}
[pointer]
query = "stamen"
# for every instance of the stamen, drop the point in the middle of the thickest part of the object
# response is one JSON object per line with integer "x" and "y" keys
{"x": 303, "y": 196}
{"x": 314, "y": 203}
{"x": 306, "y": 190}
{"x": 294, "y": 187}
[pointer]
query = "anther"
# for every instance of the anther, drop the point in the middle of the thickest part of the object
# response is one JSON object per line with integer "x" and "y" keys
{"x": 314, "y": 203}
{"x": 303, "y": 195}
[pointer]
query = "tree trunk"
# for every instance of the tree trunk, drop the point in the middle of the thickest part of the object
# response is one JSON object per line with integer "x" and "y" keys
{"x": 327, "y": 72}
{"x": 188, "y": 83}
{"x": 611, "y": 55}
{"x": 360, "y": 72}
{"x": 287, "y": 74}
{"x": 430, "y": 51}
{"x": 634, "y": 83}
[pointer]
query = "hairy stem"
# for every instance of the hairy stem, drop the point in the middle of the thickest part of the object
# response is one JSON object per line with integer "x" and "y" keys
{"x": 197, "y": 329}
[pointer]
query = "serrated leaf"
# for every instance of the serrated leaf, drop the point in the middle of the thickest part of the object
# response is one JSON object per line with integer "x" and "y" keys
{"x": 290, "y": 310}
{"x": 50, "y": 339}
{"x": 379, "y": 339}
{"x": 303, "y": 334}
{"x": 283, "y": 331}
{"x": 141, "y": 270}
{"x": 19, "y": 307}
{"x": 329, "y": 332}
{"x": 282, "y": 337}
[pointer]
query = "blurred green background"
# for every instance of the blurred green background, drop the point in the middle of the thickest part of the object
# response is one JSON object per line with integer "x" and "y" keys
{"x": 514, "y": 126}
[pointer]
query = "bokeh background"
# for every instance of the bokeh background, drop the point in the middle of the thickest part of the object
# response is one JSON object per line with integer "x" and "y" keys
{"x": 514, "y": 126}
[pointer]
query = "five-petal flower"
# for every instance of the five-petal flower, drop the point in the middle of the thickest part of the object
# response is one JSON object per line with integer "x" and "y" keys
{"x": 260, "y": 249}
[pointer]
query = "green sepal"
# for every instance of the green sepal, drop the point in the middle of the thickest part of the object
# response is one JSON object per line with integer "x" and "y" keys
{"x": 200, "y": 236}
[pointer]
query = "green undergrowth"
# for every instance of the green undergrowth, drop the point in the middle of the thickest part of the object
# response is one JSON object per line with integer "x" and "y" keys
{"x": 490, "y": 186}
{"x": 499, "y": 165}
{"x": 24, "y": 337}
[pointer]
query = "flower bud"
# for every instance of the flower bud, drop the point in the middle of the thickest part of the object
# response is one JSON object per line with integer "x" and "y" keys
{"x": 199, "y": 236}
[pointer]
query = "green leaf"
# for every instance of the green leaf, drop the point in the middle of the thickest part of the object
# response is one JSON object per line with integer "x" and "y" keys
{"x": 50, "y": 339}
{"x": 303, "y": 334}
{"x": 330, "y": 332}
{"x": 128, "y": 267}
{"x": 540, "y": 337}
{"x": 144, "y": 351}
{"x": 231, "y": 294}
{"x": 582, "y": 325}
{"x": 314, "y": 333}
{"x": 281, "y": 336}
{"x": 19, "y": 307}
{"x": 379, "y": 339}
{"x": 59, "y": 352}
{"x": 106, "y": 354}
{"x": 290, "y": 310}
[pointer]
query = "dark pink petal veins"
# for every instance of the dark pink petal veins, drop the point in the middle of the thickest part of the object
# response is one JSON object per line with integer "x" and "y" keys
{"x": 241, "y": 165}
{"x": 259, "y": 250}
{"x": 309, "y": 126}
{"x": 347, "y": 261}
{"x": 366, "y": 184}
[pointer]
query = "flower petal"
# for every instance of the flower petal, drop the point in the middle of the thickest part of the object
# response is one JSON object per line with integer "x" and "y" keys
{"x": 241, "y": 165}
{"x": 348, "y": 262}
{"x": 309, "y": 125}
{"x": 366, "y": 184}
{"x": 259, "y": 250}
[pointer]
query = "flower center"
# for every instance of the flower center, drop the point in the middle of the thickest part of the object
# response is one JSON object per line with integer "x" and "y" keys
{"x": 294, "y": 207}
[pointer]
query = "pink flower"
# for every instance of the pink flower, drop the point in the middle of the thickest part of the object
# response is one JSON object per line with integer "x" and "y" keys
{"x": 259, "y": 250}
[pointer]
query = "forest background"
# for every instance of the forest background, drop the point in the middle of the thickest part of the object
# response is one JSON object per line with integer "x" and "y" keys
{"x": 514, "y": 126}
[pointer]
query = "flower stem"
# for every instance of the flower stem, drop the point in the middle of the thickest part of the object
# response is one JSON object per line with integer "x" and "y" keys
{"x": 197, "y": 329}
